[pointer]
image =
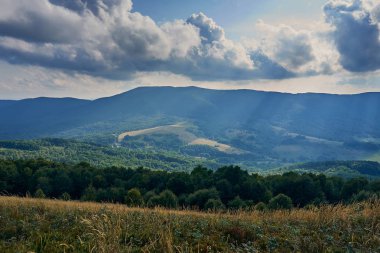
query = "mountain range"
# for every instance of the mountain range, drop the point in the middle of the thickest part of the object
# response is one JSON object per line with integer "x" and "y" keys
{"x": 248, "y": 127}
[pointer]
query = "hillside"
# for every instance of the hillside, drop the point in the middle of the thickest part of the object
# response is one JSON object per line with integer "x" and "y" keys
{"x": 345, "y": 169}
{"x": 245, "y": 127}
{"x": 31, "y": 225}
{"x": 72, "y": 151}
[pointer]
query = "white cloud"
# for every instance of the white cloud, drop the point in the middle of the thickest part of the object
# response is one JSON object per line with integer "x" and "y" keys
{"x": 304, "y": 52}
{"x": 106, "y": 41}
{"x": 356, "y": 33}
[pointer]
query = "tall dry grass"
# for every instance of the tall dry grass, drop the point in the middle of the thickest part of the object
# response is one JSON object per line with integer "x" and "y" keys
{"x": 35, "y": 225}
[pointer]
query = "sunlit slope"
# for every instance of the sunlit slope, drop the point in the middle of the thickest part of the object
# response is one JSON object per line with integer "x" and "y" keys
{"x": 181, "y": 130}
{"x": 267, "y": 127}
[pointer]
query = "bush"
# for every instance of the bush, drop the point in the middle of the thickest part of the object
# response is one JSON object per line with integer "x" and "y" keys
{"x": 65, "y": 196}
{"x": 200, "y": 197}
{"x": 236, "y": 204}
{"x": 39, "y": 194}
{"x": 361, "y": 196}
{"x": 89, "y": 194}
{"x": 134, "y": 197}
{"x": 281, "y": 201}
{"x": 166, "y": 199}
{"x": 261, "y": 206}
{"x": 214, "y": 205}
{"x": 148, "y": 195}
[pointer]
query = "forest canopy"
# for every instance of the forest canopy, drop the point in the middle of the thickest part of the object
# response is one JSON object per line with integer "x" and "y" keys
{"x": 228, "y": 187}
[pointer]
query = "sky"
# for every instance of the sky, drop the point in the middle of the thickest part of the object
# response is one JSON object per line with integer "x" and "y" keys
{"x": 96, "y": 48}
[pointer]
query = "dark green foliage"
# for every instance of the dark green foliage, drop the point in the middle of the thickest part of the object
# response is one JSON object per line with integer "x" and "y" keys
{"x": 339, "y": 168}
{"x": 134, "y": 197}
{"x": 39, "y": 194}
{"x": 89, "y": 194}
{"x": 214, "y": 205}
{"x": 200, "y": 197}
{"x": 65, "y": 196}
{"x": 281, "y": 201}
{"x": 261, "y": 207}
{"x": 73, "y": 151}
{"x": 165, "y": 199}
{"x": 236, "y": 204}
{"x": 353, "y": 186}
{"x": 201, "y": 189}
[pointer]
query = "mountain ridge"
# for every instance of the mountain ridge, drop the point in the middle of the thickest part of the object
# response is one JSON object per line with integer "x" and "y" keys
{"x": 270, "y": 125}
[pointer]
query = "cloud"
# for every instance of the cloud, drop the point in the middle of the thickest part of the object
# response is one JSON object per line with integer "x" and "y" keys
{"x": 356, "y": 33}
{"x": 299, "y": 51}
{"x": 107, "y": 38}
{"x": 38, "y": 21}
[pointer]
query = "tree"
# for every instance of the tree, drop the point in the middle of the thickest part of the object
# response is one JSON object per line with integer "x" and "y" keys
{"x": 201, "y": 177}
{"x": 89, "y": 194}
{"x": 254, "y": 190}
{"x": 179, "y": 183}
{"x": 236, "y": 204}
{"x": 134, "y": 197}
{"x": 166, "y": 199}
{"x": 65, "y": 196}
{"x": 200, "y": 197}
{"x": 43, "y": 183}
{"x": 362, "y": 196}
{"x": 352, "y": 187}
{"x": 233, "y": 174}
{"x": 148, "y": 195}
{"x": 224, "y": 187}
{"x": 261, "y": 206}
{"x": 39, "y": 194}
{"x": 214, "y": 205}
{"x": 281, "y": 201}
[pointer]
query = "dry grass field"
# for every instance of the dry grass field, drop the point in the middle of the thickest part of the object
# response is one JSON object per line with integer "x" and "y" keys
{"x": 39, "y": 225}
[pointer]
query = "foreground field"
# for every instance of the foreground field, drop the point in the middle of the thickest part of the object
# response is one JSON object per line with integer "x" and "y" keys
{"x": 35, "y": 225}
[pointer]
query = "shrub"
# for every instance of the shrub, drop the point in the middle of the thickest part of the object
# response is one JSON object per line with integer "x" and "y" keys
{"x": 39, "y": 194}
{"x": 89, "y": 194}
{"x": 214, "y": 205}
{"x": 200, "y": 197}
{"x": 166, "y": 199}
{"x": 65, "y": 196}
{"x": 134, "y": 197}
{"x": 281, "y": 201}
{"x": 261, "y": 206}
{"x": 361, "y": 196}
{"x": 236, "y": 203}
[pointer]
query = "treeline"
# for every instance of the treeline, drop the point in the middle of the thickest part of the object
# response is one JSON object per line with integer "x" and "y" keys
{"x": 73, "y": 151}
{"x": 227, "y": 187}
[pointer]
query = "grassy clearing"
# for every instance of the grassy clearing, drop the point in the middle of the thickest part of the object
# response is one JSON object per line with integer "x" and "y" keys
{"x": 180, "y": 129}
{"x": 35, "y": 225}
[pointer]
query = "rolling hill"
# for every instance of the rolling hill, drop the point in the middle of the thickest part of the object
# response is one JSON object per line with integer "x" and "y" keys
{"x": 247, "y": 127}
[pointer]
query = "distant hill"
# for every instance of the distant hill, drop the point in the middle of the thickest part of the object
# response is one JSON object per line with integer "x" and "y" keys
{"x": 347, "y": 169}
{"x": 269, "y": 128}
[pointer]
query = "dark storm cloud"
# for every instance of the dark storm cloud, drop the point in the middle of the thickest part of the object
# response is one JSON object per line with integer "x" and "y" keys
{"x": 356, "y": 35}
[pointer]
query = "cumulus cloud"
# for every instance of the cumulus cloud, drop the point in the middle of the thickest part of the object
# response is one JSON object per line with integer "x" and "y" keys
{"x": 38, "y": 21}
{"x": 107, "y": 38}
{"x": 356, "y": 33}
{"x": 299, "y": 51}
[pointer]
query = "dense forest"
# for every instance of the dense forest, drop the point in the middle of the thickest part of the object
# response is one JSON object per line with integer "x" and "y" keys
{"x": 228, "y": 187}
{"x": 73, "y": 151}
